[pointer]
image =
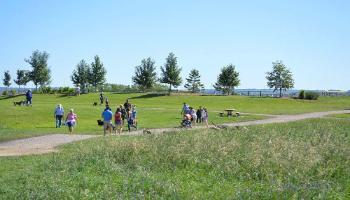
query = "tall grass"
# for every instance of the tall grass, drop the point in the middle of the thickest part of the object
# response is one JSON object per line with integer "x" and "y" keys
{"x": 301, "y": 160}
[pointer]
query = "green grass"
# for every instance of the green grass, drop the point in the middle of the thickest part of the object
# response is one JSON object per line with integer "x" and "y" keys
{"x": 153, "y": 111}
{"x": 341, "y": 116}
{"x": 300, "y": 160}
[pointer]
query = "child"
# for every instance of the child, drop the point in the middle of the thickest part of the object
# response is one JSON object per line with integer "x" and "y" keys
{"x": 186, "y": 122}
{"x": 132, "y": 118}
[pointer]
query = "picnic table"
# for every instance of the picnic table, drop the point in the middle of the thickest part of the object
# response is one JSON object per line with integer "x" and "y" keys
{"x": 230, "y": 111}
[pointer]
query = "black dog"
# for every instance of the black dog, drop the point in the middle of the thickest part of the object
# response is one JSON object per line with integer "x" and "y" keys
{"x": 18, "y": 103}
{"x": 99, "y": 122}
{"x": 94, "y": 104}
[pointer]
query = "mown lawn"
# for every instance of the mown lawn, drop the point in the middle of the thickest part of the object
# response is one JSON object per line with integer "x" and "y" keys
{"x": 153, "y": 111}
{"x": 299, "y": 160}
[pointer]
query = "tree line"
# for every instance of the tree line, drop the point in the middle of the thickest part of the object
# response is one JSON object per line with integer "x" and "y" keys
{"x": 145, "y": 77}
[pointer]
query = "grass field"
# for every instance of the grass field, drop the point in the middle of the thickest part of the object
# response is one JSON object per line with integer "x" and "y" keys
{"x": 153, "y": 111}
{"x": 300, "y": 160}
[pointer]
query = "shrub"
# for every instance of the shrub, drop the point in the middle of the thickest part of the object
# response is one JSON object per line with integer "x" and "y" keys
{"x": 301, "y": 94}
{"x": 4, "y": 93}
{"x": 12, "y": 92}
{"x": 311, "y": 95}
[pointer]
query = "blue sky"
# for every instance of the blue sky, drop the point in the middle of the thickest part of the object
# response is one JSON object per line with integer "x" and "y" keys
{"x": 311, "y": 37}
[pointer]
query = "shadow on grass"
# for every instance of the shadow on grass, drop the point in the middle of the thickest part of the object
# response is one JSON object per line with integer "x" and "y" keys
{"x": 151, "y": 95}
{"x": 11, "y": 97}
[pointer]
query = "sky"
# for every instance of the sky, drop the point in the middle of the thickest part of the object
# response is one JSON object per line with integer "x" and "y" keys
{"x": 312, "y": 38}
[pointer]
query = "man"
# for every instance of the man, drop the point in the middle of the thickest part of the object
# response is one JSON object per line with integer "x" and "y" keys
{"x": 29, "y": 97}
{"x": 59, "y": 112}
{"x": 107, "y": 116}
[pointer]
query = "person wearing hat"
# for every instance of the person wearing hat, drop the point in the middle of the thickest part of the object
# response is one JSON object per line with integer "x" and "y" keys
{"x": 58, "y": 114}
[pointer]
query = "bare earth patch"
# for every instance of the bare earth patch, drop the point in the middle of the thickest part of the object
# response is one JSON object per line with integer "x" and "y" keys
{"x": 48, "y": 143}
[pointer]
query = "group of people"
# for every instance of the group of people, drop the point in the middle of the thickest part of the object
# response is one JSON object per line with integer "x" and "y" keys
{"x": 192, "y": 116}
{"x": 70, "y": 121}
{"x": 124, "y": 113}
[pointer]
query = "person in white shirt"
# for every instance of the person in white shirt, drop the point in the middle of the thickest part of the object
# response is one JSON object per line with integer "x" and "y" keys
{"x": 59, "y": 112}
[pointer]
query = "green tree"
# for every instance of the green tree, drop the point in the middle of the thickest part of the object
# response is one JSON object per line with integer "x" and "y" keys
{"x": 97, "y": 73}
{"x": 280, "y": 78}
{"x": 22, "y": 77}
{"x": 80, "y": 75}
{"x": 194, "y": 81}
{"x": 171, "y": 72}
{"x": 227, "y": 80}
{"x": 41, "y": 73}
{"x": 7, "y": 79}
{"x": 145, "y": 74}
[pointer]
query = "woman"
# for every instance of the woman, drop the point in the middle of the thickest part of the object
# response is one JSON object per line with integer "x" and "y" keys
{"x": 71, "y": 120}
{"x": 205, "y": 117}
{"x": 118, "y": 121}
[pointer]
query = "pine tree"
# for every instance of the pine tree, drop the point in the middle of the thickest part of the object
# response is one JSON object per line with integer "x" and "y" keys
{"x": 227, "y": 80}
{"x": 7, "y": 79}
{"x": 145, "y": 74}
{"x": 193, "y": 81}
{"x": 171, "y": 72}
{"x": 97, "y": 73}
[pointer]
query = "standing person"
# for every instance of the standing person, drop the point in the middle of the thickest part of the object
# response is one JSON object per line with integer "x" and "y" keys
{"x": 193, "y": 115}
{"x": 127, "y": 105}
{"x": 131, "y": 120}
{"x": 185, "y": 109}
{"x": 199, "y": 115}
{"x": 71, "y": 120}
{"x": 101, "y": 98}
{"x": 107, "y": 102}
{"x": 77, "y": 91}
{"x": 29, "y": 96}
{"x": 124, "y": 114}
{"x": 205, "y": 117}
{"x": 118, "y": 121}
{"x": 107, "y": 116}
{"x": 58, "y": 114}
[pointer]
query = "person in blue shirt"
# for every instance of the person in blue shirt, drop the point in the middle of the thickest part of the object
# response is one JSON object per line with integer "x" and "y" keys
{"x": 107, "y": 116}
{"x": 29, "y": 96}
{"x": 59, "y": 112}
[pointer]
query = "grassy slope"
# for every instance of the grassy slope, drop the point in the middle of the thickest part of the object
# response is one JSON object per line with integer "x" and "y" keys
{"x": 306, "y": 159}
{"x": 154, "y": 111}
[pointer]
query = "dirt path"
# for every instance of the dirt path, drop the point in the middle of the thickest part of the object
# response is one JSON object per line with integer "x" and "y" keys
{"x": 47, "y": 143}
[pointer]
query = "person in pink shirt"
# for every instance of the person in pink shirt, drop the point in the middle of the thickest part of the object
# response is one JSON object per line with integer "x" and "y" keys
{"x": 71, "y": 120}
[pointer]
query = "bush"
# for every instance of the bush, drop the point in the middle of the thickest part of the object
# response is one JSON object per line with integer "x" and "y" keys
{"x": 4, "y": 93}
{"x": 12, "y": 92}
{"x": 301, "y": 94}
{"x": 311, "y": 95}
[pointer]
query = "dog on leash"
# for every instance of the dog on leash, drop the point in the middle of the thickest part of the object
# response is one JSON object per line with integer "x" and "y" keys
{"x": 99, "y": 122}
{"x": 18, "y": 103}
{"x": 94, "y": 104}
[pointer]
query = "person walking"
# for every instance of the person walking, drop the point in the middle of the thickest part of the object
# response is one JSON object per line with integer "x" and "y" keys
{"x": 29, "y": 97}
{"x": 205, "y": 117}
{"x": 107, "y": 116}
{"x": 101, "y": 98}
{"x": 58, "y": 114}
{"x": 71, "y": 120}
{"x": 118, "y": 121}
{"x": 199, "y": 115}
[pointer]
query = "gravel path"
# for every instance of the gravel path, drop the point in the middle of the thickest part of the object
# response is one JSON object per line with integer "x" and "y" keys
{"x": 47, "y": 143}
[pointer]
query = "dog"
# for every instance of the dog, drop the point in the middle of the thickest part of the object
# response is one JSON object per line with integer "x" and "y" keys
{"x": 146, "y": 131}
{"x": 99, "y": 122}
{"x": 94, "y": 104}
{"x": 18, "y": 103}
